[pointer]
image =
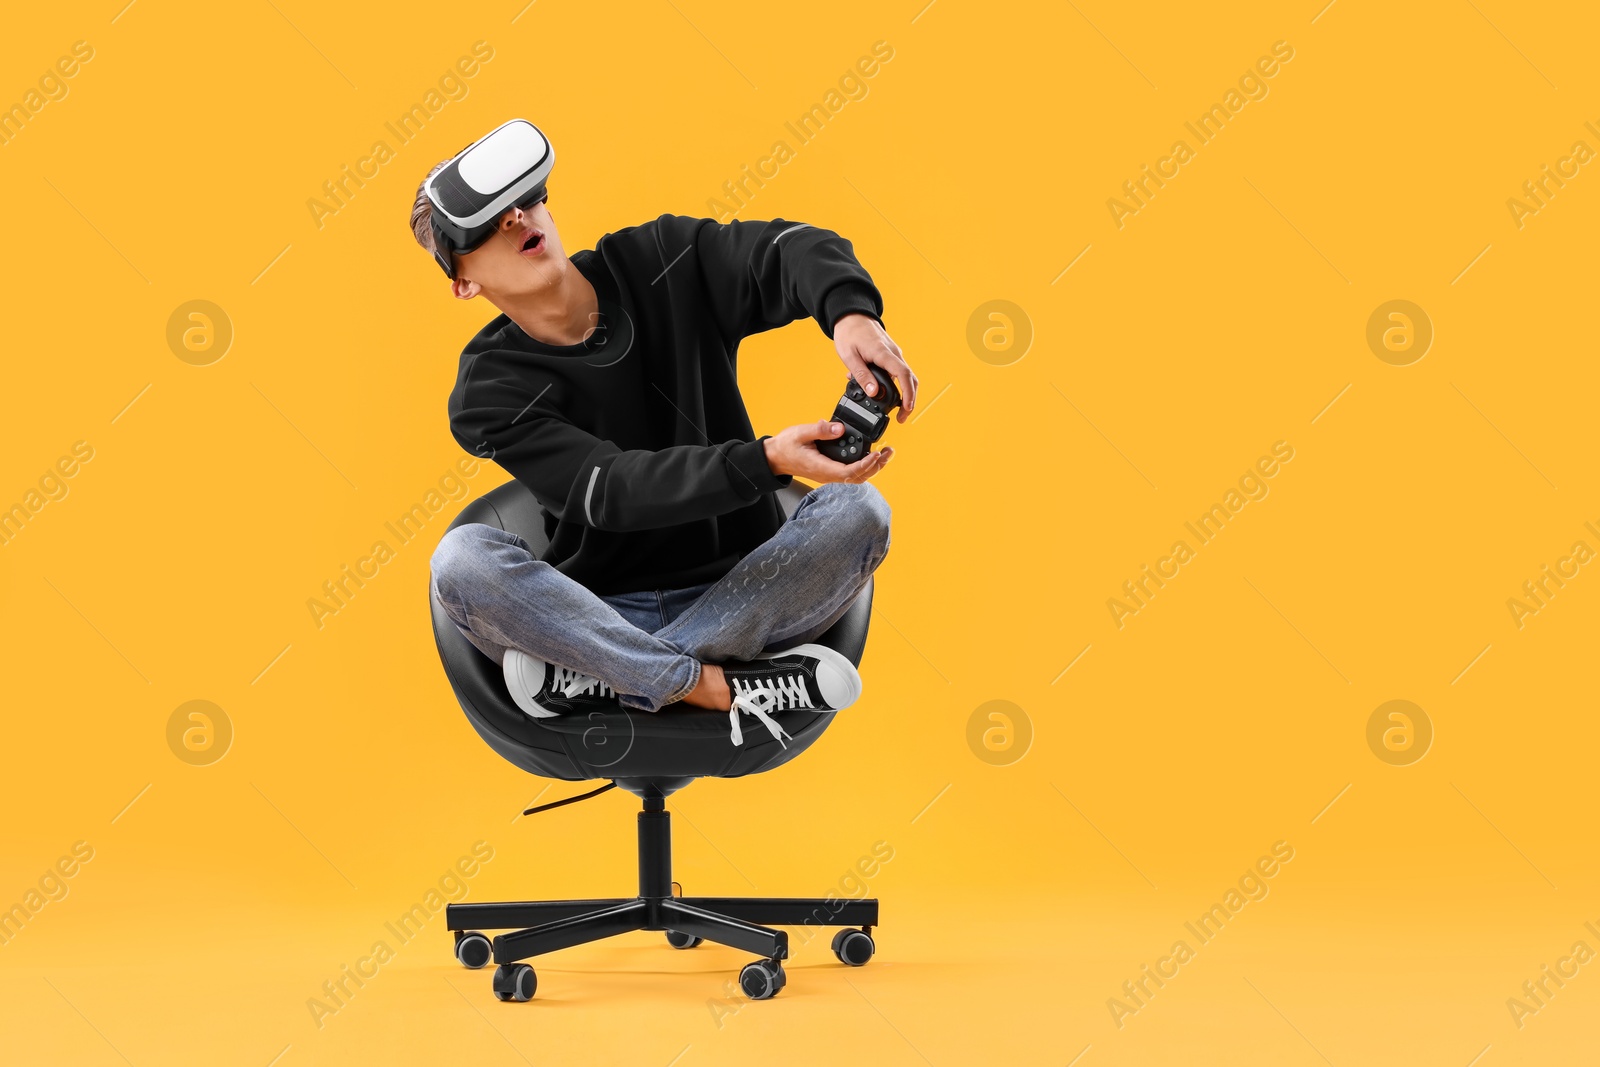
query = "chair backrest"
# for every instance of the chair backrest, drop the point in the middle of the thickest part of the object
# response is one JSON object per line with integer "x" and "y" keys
{"x": 683, "y": 742}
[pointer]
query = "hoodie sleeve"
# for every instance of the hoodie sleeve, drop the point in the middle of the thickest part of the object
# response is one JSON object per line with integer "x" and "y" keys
{"x": 762, "y": 275}
{"x": 583, "y": 479}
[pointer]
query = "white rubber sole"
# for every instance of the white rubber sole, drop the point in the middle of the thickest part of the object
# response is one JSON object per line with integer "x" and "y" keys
{"x": 525, "y": 677}
{"x": 836, "y": 675}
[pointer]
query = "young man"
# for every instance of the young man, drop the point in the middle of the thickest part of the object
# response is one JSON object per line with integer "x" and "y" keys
{"x": 607, "y": 386}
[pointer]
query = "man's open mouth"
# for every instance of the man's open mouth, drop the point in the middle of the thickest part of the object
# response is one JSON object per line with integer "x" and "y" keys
{"x": 534, "y": 242}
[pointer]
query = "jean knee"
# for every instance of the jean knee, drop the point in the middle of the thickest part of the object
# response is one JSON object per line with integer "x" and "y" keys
{"x": 865, "y": 514}
{"x": 462, "y": 554}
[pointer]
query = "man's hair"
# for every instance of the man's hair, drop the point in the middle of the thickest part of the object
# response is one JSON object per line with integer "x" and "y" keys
{"x": 422, "y": 212}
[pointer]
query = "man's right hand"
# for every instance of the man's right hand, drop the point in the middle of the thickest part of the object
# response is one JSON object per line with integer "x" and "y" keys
{"x": 794, "y": 451}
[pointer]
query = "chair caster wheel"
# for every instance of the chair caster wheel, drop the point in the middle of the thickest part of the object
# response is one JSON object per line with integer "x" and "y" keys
{"x": 854, "y": 947}
{"x": 514, "y": 981}
{"x": 473, "y": 950}
{"x": 677, "y": 940}
{"x": 762, "y": 979}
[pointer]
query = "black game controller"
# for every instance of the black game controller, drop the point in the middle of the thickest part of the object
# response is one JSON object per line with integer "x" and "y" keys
{"x": 864, "y": 418}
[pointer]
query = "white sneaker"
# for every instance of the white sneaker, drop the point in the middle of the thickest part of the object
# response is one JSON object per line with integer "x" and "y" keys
{"x": 545, "y": 690}
{"x": 806, "y": 676}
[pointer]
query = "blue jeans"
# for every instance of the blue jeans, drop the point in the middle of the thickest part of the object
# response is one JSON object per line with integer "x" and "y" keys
{"x": 649, "y": 645}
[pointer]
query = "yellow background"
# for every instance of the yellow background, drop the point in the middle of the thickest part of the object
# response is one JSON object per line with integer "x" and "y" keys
{"x": 1225, "y": 716}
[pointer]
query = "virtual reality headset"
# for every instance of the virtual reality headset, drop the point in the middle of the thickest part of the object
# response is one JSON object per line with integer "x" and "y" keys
{"x": 504, "y": 169}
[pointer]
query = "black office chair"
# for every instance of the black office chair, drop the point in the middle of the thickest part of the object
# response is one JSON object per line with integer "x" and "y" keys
{"x": 650, "y": 756}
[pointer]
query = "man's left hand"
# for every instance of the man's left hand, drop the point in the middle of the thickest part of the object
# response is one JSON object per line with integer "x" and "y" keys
{"x": 860, "y": 341}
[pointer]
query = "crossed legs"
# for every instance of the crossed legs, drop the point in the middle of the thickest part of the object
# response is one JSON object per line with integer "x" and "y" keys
{"x": 787, "y": 591}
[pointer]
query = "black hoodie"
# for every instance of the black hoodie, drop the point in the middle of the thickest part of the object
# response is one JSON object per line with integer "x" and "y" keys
{"x": 636, "y": 442}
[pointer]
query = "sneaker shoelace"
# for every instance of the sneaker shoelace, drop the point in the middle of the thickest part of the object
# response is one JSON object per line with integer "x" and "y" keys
{"x": 760, "y": 696}
{"x": 570, "y": 683}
